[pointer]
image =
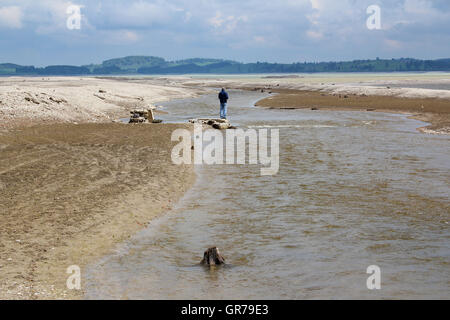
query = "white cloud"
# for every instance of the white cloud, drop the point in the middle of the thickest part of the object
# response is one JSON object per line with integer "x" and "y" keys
{"x": 279, "y": 30}
{"x": 314, "y": 34}
{"x": 226, "y": 24}
{"x": 118, "y": 37}
{"x": 11, "y": 17}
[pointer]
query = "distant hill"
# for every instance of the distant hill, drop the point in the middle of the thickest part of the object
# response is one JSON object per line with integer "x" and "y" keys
{"x": 148, "y": 65}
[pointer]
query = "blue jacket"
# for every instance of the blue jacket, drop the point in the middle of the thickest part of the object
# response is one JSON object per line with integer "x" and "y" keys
{"x": 223, "y": 96}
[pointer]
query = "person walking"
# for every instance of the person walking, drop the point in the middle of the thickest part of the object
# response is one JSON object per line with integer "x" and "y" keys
{"x": 223, "y": 97}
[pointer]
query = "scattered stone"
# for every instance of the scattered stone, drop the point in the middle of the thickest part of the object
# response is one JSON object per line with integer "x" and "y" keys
{"x": 314, "y": 109}
{"x": 143, "y": 116}
{"x": 370, "y": 109}
{"x": 220, "y": 124}
{"x": 100, "y": 97}
{"x": 32, "y": 100}
{"x": 101, "y": 91}
{"x": 57, "y": 100}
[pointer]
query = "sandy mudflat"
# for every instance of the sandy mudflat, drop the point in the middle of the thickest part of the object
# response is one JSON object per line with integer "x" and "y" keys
{"x": 432, "y": 110}
{"x": 25, "y": 101}
{"x": 72, "y": 183}
{"x": 351, "y": 92}
{"x": 68, "y": 193}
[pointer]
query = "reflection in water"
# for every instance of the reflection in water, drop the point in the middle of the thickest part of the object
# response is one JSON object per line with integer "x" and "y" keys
{"x": 354, "y": 189}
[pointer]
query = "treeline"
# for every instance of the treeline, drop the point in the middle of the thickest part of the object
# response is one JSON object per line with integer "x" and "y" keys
{"x": 9, "y": 69}
{"x": 158, "y": 66}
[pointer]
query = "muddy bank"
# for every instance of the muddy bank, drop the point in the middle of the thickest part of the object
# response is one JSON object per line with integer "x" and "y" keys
{"x": 433, "y": 110}
{"x": 69, "y": 193}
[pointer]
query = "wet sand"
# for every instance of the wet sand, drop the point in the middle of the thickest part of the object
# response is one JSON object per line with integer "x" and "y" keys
{"x": 407, "y": 93}
{"x": 432, "y": 110}
{"x": 354, "y": 189}
{"x": 69, "y": 193}
{"x": 72, "y": 182}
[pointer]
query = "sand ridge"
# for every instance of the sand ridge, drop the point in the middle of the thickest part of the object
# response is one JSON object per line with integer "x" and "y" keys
{"x": 27, "y": 101}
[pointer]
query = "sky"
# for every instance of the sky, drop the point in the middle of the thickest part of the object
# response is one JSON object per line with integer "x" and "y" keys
{"x": 42, "y": 32}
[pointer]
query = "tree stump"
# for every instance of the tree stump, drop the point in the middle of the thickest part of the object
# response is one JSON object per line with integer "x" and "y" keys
{"x": 212, "y": 257}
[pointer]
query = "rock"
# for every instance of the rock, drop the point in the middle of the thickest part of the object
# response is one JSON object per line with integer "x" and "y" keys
{"x": 32, "y": 100}
{"x": 151, "y": 116}
{"x": 221, "y": 126}
{"x": 100, "y": 97}
{"x": 101, "y": 91}
{"x": 314, "y": 109}
{"x": 212, "y": 257}
{"x": 142, "y": 116}
{"x": 57, "y": 100}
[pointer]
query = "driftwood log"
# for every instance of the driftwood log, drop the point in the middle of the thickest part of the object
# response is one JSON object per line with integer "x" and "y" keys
{"x": 212, "y": 257}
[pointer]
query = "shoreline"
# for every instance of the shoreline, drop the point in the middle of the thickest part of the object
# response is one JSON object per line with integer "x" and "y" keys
{"x": 430, "y": 110}
{"x": 358, "y": 93}
{"x": 26, "y": 101}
